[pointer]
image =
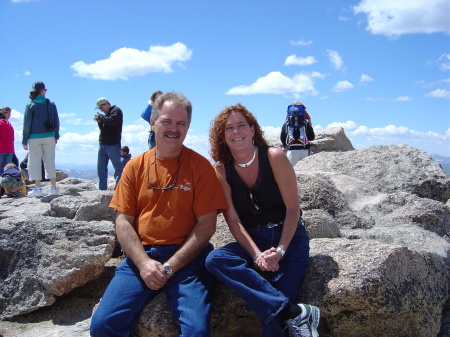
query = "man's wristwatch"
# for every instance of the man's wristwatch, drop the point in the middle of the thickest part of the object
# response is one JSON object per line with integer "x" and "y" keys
{"x": 168, "y": 269}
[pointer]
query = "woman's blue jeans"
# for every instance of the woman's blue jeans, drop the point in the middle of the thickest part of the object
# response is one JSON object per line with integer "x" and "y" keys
{"x": 266, "y": 293}
{"x": 188, "y": 293}
{"x": 5, "y": 158}
{"x": 105, "y": 154}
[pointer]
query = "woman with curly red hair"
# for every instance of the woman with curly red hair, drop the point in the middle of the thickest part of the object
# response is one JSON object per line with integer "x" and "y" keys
{"x": 267, "y": 263}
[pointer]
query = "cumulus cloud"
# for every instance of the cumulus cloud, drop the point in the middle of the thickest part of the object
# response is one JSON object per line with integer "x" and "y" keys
{"x": 349, "y": 125}
{"x": 299, "y": 61}
{"x": 439, "y": 93}
{"x": 301, "y": 43}
{"x": 395, "y": 18}
{"x": 342, "y": 86}
{"x": 277, "y": 83}
{"x": 335, "y": 59}
{"x": 365, "y": 78}
{"x": 128, "y": 62}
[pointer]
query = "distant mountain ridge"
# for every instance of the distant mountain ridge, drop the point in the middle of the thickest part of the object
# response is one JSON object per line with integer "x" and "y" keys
{"x": 443, "y": 161}
{"x": 89, "y": 171}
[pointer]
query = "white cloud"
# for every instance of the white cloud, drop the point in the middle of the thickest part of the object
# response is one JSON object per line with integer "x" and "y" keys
{"x": 299, "y": 61}
{"x": 26, "y": 73}
{"x": 335, "y": 59}
{"x": 301, "y": 43}
{"x": 366, "y": 78}
{"x": 403, "y": 98}
{"x": 277, "y": 83}
{"x": 445, "y": 59}
{"x": 439, "y": 93}
{"x": 395, "y": 18}
{"x": 349, "y": 125}
{"x": 271, "y": 131}
{"x": 128, "y": 62}
{"x": 342, "y": 86}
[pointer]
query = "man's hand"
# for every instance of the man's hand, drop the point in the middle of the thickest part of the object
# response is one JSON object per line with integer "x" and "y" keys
{"x": 153, "y": 274}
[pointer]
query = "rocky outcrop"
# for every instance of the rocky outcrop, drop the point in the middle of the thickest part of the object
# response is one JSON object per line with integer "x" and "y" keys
{"x": 379, "y": 222}
{"x": 379, "y": 251}
{"x": 331, "y": 139}
{"x": 45, "y": 252}
{"x": 386, "y": 168}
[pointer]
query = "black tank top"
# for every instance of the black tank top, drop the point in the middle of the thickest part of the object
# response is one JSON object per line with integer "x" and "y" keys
{"x": 265, "y": 192}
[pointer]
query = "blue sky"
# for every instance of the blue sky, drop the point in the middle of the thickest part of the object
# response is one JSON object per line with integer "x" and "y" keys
{"x": 379, "y": 68}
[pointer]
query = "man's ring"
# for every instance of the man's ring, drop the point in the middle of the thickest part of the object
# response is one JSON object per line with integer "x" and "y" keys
{"x": 152, "y": 283}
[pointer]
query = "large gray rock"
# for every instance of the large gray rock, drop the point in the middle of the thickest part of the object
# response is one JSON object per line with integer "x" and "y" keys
{"x": 52, "y": 245}
{"x": 365, "y": 288}
{"x": 388, "y": 168}
{"x": 44, "y": 257}
{"x": 331, "y": 139}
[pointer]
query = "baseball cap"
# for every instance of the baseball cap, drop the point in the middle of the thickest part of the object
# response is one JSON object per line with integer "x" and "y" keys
{"x": 37, "y": 86}
{"x": 101, "y": 101}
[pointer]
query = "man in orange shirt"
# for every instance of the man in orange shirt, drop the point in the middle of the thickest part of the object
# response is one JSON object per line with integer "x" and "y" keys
{"x": 167, "y": 202}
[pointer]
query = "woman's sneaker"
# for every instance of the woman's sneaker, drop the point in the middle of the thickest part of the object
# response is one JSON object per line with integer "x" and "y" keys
{"x": 36, "y": 192}
{"x": 305, "y": 324}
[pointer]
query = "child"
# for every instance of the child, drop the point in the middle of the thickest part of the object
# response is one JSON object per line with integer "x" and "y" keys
{"x": 12, "y": 179}
{"x": 125, "y": 157}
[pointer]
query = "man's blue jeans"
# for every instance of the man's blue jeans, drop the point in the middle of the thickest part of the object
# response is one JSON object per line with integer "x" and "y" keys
{"x": 188, "y": 293}
{"x": 105, "y": 154}
{"x": 266, "y": 293}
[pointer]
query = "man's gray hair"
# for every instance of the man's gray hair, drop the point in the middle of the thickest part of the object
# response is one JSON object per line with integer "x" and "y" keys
{"x": 177, "y": 99}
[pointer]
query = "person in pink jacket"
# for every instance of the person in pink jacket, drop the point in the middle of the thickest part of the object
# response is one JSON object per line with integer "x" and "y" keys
{"x": 6, "y": 141}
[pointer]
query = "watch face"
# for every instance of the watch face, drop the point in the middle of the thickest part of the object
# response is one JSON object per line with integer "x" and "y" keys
{"x": 168, "y": 269}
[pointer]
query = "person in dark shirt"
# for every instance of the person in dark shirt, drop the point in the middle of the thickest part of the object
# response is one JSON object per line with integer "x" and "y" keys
{"x": 267, "y": 263}
{"x": 110, "y": 125}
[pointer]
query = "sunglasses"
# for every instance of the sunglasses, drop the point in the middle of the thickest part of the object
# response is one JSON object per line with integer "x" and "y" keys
{"x": 255, "y": 208}
{"x": 168, "y": 187}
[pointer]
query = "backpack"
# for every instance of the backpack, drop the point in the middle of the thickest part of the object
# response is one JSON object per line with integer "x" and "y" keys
{"x": 295, "y": 127}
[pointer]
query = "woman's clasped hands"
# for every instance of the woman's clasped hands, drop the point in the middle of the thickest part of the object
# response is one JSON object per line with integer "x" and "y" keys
{"x": 268, "y": 260}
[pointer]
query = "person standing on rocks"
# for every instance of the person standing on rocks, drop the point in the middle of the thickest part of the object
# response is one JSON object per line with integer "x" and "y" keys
{"x": 268, "y": 262}
{"x": 40, "y": 135}
{"x": 167, "y": 203}
{"x": 146, "y": 114}
{"x": 110, "y": 125}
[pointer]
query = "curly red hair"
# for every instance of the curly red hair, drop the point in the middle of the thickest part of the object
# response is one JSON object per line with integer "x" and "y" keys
{"x": 219, "y": 150}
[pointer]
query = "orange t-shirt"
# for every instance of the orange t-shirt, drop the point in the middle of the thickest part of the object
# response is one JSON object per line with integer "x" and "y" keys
{"x": 164, "y": 217}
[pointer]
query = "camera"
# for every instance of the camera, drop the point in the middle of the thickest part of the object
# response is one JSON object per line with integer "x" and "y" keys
{"x": 49, "y": 126}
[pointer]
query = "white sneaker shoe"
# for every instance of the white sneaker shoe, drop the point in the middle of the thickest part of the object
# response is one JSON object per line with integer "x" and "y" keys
{"x": 53, "y": 191}
{"x": 36, "y": 192}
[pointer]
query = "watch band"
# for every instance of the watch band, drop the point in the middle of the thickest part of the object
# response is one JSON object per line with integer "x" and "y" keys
{"x": 281, "y": 251}
{"x": 168, "y": 269}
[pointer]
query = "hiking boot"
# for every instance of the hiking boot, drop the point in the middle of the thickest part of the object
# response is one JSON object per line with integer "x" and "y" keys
{"x": 36, "y": 192}
{"x": 53, "y": 191}
{"x": 306, "y": 326}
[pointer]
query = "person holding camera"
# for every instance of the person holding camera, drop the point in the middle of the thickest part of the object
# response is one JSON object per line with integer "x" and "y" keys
{"x": 40, "y": 135}
{"x": 110, "y": 125}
